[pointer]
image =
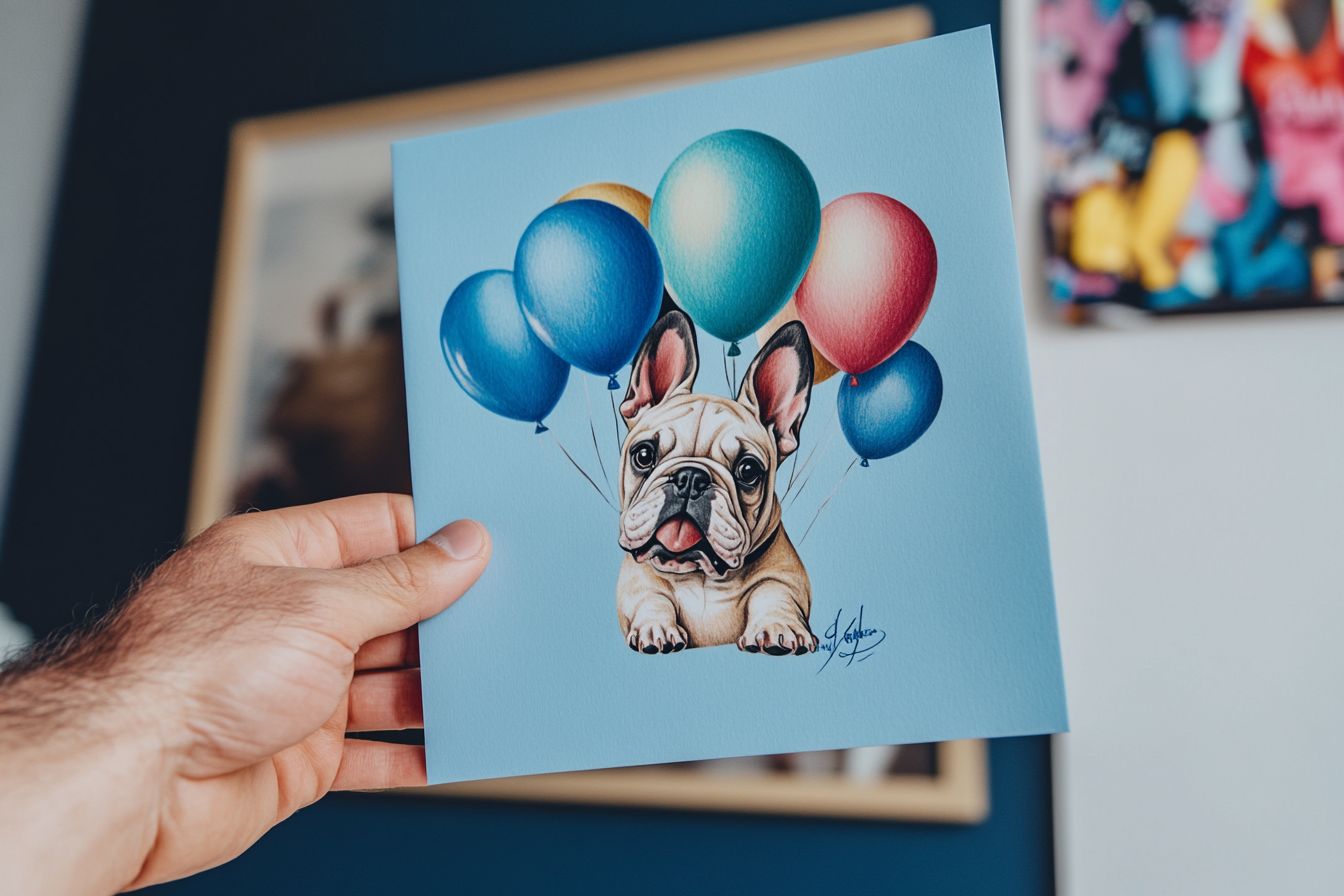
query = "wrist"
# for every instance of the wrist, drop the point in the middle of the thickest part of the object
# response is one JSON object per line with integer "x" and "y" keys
{"x": 83, "y": 767}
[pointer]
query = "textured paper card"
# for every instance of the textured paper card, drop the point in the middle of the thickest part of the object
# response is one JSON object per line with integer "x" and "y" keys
{"x": 747, "y": 415}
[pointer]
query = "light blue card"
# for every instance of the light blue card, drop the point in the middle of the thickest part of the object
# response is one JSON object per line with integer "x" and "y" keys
{"x": 729, "y": 554}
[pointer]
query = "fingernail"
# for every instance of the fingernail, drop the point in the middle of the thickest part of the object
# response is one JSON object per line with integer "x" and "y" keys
{"x": 462, "y": 539}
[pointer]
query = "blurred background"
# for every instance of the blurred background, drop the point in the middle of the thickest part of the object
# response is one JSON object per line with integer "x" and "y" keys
{"x": 1193, "y": 463}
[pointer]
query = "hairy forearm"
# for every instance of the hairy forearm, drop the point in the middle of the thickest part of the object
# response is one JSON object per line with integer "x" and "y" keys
{"x": 215, "y": 703}
{"x": 81, "y": 769}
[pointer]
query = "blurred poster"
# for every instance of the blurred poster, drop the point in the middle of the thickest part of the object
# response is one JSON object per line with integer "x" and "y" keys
{"x": 1193, "y": 154}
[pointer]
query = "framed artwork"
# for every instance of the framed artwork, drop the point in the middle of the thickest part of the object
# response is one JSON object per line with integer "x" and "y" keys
{"x": 304, "y": 392}
{"x": 1191, "y": 155}
{"x": 947, "y": 782}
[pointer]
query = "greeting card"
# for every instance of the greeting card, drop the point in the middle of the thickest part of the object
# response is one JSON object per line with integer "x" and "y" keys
{"x": 736, "y": 377}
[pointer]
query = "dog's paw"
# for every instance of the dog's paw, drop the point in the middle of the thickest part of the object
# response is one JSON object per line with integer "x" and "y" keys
{"x": 657, "y": 637}
{"x": 777, "y": 638}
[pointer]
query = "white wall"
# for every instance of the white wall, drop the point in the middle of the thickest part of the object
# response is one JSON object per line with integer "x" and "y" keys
{"x": 1195, "y": 487}
{"x": 1194, "y": 474}
{"x": 39, "y": 51}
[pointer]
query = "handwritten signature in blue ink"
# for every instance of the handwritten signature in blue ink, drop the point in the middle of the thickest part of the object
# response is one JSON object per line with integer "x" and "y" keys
{"x": 853, "y": 643}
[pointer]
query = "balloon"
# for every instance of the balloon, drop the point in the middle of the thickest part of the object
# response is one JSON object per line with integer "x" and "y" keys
{"x": 494, "y": 355}
{"x": 590, "y": 282}
{"x": 870, "y": 281}
{"x": 735, "y": 218}
{"x": 886, "y": 409}
{"x": 822, "y": 368}
{"x": 627, "y": 198}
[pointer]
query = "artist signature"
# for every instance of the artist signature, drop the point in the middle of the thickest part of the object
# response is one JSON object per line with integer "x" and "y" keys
{"x": 852, "y": 643}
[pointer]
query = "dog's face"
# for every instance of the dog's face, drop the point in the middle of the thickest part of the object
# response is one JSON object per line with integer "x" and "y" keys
{"x": 698, "y": 471}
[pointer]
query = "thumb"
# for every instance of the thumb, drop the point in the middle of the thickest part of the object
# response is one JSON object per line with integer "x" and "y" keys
{"x": 394, "y": 592}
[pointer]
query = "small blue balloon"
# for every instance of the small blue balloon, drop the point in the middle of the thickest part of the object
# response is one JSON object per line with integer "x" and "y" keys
{"x": 494, "y": 355}
{"x": 888, "y": 408}
{"x": 590, "y": 282}
{"x": 736, "y": 218}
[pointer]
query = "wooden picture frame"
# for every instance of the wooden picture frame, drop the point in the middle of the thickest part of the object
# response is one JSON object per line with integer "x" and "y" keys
{"x": 957, "y": 792}
{"x": 264, "y": 152}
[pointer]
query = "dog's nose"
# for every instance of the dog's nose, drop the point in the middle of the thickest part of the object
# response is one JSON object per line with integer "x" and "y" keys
{"x": 690, "y": 482}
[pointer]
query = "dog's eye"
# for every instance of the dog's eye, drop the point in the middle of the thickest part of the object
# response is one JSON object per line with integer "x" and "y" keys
{"x": 749, "y": 472}
{"x": 643, "y": 456}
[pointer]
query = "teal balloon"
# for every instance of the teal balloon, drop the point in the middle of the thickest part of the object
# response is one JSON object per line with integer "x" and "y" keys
{"x": 736, "y": 219}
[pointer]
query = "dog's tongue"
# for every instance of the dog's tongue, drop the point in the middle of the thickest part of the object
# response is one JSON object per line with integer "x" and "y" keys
{"x": 678, "y": 534}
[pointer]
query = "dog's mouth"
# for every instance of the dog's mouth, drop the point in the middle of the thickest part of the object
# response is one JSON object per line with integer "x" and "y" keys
{"x": 679, "y": 534}
{"x": 679, "y": 545}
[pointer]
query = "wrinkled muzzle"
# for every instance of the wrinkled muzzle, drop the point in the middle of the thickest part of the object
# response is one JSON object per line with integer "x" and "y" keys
{"x": 683, "y": 521}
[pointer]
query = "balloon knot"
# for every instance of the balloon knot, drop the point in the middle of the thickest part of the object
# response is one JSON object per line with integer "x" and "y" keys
{"x": 540, "y": 428}
{"x": 734, "y": 351}
{"x": 854, "y": 381}
{"x": 613, "y": 384}
{"x": 864, "y": 463}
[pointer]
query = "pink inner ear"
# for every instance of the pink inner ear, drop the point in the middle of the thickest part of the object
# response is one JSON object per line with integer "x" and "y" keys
{"x": 781, "y": 402}
{"x": 652, "y": 381}
{"x": 669, "y": 364}
{"x": 640, "y": 394}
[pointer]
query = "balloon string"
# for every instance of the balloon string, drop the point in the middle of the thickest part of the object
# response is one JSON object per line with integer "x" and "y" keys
{"x": 615, "y": 422}
{"x": 793, "y": 476}
{"x": 592, "y": 428}
{"x": 726, "y": 378}
{"x": 732, "y": 386}
{"x": 796, "y": 472}
{"x": 585, "y": 475}
{"x": 793, "y": 471}
{"x": 827, "y": 501}
{"x": 812, "y": 472}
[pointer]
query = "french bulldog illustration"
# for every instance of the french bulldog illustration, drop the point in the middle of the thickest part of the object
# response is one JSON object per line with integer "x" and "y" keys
{"x": 707, "y": 559}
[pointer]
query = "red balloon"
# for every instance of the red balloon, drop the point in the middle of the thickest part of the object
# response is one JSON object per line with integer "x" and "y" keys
{"x": 870, "y": 280}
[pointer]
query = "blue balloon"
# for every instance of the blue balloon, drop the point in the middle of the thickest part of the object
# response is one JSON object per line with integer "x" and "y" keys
{"x": 886, "y": 409}
{"x": 590, "y": 282}
{"x": 736, "y": 219}
{"x": 494, "y": 355}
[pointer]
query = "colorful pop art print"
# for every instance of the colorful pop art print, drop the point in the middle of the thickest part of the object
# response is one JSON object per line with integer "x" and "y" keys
{"x": 736, "y": 376}
{"x": 1192, "y": 155}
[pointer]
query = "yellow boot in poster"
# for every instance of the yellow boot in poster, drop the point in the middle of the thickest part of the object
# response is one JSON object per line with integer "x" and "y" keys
{"x": 1172, "y": 170}
{"x": 1101, "y": 231}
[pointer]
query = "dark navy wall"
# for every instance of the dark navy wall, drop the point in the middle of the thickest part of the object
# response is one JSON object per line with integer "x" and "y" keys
{"x": 359, "y": 843}
{"x": 106, "y": 443}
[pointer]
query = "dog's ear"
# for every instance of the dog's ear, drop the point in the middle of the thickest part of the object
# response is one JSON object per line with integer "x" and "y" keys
{"x": 778, "y": 385}
{"x": 665, "y": 364}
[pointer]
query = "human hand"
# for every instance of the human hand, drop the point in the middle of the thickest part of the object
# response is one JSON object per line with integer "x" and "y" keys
{"x": 215, "y": 703}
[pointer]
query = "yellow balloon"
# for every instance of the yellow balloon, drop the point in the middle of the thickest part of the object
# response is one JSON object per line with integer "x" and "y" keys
{"x": 822, "y": 368}
{"x": 619, "y": 195}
